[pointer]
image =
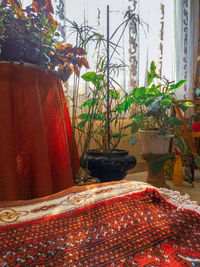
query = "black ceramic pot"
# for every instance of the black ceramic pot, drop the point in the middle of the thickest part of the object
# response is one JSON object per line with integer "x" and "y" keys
{"x": 108, "y": 166}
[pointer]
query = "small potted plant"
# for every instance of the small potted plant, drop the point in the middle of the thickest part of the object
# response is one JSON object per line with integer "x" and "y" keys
{"x": 30, "y": 35}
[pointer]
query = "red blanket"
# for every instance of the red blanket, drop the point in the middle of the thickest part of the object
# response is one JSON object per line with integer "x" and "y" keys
{"x": 140, "y": 229}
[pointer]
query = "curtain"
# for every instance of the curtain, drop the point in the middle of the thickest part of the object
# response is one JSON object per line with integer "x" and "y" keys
{"x": 38, "y": 156}
{"x": 186, "y": 25}
{"x": 169, "y": 37}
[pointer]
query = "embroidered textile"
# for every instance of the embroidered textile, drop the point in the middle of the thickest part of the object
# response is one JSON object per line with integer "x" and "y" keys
{"x": 138, "y": 229}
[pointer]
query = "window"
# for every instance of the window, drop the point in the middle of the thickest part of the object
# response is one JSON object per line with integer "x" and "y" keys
{"x": 169, "y": 36}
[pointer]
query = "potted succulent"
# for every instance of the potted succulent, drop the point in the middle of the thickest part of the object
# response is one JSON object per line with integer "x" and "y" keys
{"x": 30, "y": 35}
{"x": 101, "y": 121}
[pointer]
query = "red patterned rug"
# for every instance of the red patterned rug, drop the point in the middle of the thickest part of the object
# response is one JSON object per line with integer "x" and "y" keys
{"x": 140, "y": 229}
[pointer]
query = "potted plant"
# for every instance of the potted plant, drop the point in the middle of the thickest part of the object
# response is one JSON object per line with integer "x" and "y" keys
{"x": 106, "y": 161}
{"x": 100, "y": 119}
{"x": 155, "y": 120}
{"x": 31, "y": 35}
{"x": 154, "y": 117}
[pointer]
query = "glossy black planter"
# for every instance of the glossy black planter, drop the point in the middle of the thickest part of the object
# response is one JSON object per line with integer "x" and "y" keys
{"x": 108, "y": 166}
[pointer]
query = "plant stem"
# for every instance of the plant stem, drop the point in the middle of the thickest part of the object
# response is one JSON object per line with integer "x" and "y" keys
{"x": 108, "y": 82}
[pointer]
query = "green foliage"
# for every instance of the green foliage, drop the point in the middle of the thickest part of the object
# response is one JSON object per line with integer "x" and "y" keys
{"x": 155, "y": 106}
{"x": 176, "y": 85}
{"x": 154, "y": 103}
{"x": 81, "y": 124}
{"x": 179, "y": 142}
{"x": 152, "y": 73}
{"x": 94, "y": 116}
{"x": 94, "y": 78}
{"x": 105, "y": 119}
{"x": 90, "y": 103}
{"x": 125, "y": 105}
{"x": 156, "y": 164}
{"x": 173, "y": 120}
{"x": 197, "y": 161}
{"x": 118, "y": 135}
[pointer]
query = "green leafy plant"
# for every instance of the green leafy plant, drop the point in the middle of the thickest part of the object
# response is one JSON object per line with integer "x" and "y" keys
{"x": 95, "y": 113}
{"x": 100, "y": 118}
{"x": 154, "y": 104}
{"x": 96, "y": 121}
{"x": 155, "y": 107}
{"x": 155, "y": 111}
{"x": 31, "y": 35}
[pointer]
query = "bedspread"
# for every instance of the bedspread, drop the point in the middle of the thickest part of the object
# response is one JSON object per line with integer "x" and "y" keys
{"x": 113, "y": 224}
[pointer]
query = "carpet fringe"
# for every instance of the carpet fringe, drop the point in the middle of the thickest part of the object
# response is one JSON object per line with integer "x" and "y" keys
{"x": 181, "y": 202}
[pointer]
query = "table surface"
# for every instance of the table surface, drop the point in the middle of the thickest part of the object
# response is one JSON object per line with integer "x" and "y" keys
{"x": 195, "y": 134}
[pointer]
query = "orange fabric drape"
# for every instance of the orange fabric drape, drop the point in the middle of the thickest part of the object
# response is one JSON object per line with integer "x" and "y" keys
{"x": 35, "y": 136}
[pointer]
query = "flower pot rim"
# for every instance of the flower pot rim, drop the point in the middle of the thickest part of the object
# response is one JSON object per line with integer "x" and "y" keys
{"x": 148, "y": 131}
{"x": 116, "y": 151}
{"x": 153, "y": 131}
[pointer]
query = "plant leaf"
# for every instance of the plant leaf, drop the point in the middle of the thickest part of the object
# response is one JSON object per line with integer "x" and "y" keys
{"x": 139, "y": 92}
{"x": 176, "y": 85}
{"x": 90, "y": 77}
{"x": 197, "y": 161}
{"x": 132, "y": 140}
{"x": 90, "y": 103}
{"x": 174, "y": 120}
{"x": 134, "y": 127}
{"x": 185, "y": 106}
{"x": 125, "y": 105}
{"x": 82, "y": 124}
{"x": 118, "y": 135}
{"x": 156, "y": 164}
{"x": 86, "y": 116}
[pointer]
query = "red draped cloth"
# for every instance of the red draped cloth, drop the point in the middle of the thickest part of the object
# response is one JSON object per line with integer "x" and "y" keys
{"x": 37, "y": 154}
